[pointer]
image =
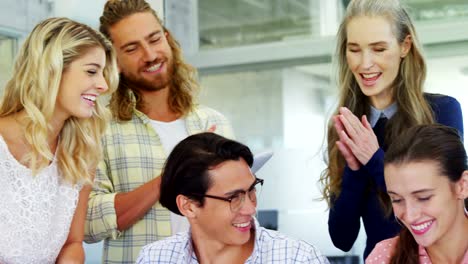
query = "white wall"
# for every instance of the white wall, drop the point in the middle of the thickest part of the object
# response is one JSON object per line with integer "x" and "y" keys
{"x": 88, "y": 11}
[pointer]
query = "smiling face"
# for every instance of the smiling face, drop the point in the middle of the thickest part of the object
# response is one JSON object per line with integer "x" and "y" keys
{"x": 425, "y": 201}
{"x": 373, "y": 55}
{"x": 81, "y": 83}
{"x": 214, "y": 220}
{"x": 143, "y": 53}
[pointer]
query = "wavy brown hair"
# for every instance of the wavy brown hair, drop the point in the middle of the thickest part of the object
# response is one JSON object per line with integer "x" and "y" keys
{"x": 413, "y": 109}
{"x": 184, "y": 84}
{"x": 45, "y": 55}
{"x": 433, "y": 143}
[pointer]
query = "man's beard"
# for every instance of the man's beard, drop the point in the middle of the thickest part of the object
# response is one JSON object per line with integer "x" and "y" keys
{"x": 158, "y": 82}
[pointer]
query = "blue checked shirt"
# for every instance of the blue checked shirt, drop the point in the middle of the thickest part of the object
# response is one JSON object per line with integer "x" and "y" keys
{"x": 270, "y": 247}
{"x": 134, "y": 155}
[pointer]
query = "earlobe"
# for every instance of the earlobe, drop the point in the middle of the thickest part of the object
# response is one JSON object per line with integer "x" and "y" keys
{"x": 406, "y": 46}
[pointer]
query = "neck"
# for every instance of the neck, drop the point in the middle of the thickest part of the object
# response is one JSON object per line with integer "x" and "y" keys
{"x": 208, "y": 250}
{"x": 453, "y": 247}
{"x": 382, "y": 101}
{"x": 155, "y": 104}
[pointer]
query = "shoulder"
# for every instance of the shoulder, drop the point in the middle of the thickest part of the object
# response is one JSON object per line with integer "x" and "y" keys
{"x": 207, "y": 112}
{"x": 440, "y": 100}
{"x": 383, "y": 251}
{"x": 9, "y": 128}
{"x": 276, "y": 244}
{"x": 204, "y": 117}
{"x": 447, "y": 111}
{"x": 168, "y": 250}
{"x": 115, "y": 126}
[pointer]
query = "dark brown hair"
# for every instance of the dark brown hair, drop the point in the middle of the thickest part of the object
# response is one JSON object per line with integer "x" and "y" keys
{"x": 436, "y": 143}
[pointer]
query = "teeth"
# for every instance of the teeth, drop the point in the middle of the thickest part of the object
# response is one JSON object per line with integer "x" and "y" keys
{"x": 242, "y": 225}
{"x": 154, "y": 67}
{"x": 371, "y": 75}
{"x": 422, "y": 226}
{"x": 90, "y": 97}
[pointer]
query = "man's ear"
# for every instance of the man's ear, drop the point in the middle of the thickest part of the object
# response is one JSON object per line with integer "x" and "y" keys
{"x": 406, "y": 46}
{"x": 187, "y": 207}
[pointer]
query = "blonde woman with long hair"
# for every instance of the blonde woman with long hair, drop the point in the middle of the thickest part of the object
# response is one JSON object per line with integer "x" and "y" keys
{"x": 381, "y": 73}
{"x": 51, "y": 122}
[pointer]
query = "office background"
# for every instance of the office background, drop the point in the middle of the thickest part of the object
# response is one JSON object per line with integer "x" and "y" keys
{"x": 268, "y": 66}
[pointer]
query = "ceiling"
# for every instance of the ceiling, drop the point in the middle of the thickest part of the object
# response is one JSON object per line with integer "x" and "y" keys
{"x": 225, "y": 23}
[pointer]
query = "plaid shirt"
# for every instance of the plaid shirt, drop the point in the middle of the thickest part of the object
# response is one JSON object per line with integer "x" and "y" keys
{"x": 270, "y": 247}
{"x": 134, "y": 155}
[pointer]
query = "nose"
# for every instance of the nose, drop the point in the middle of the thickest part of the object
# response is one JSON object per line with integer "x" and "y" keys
{"x": 367, "y": 60}
{"x": 149, "y": 54}
{"x": 412, "y": 213}
{"x": 101, "y": 85}
{"x": 249, "y": 207}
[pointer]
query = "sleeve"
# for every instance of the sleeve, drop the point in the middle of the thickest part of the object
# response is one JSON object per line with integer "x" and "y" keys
{"x": 344, "y": 216}
{"x": 383, "y": 251}
{"x": 375, "y": 169}
{"x": 144, "y": 256}
{"x": 315, "y": 256}
{"x": 223, "y": 126}
{"x": 101, "y": 219}
{"x": 448, "y": 112}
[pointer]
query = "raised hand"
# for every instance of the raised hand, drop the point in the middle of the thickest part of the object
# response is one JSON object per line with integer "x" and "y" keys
{"x": 356, "y": 136}
{"x": 348, "y": 155}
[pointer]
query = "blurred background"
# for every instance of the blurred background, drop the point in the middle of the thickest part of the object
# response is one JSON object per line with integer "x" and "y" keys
{"x": 268, "y": 66}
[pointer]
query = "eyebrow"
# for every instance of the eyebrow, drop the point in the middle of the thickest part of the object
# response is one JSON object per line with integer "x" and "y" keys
{"x": 136, "y": 42}
{"x": 93, "y": 64}
{"x": 239, "y": 190}
{"x": 415, "y": 192}
{"x": 370, "y": 44}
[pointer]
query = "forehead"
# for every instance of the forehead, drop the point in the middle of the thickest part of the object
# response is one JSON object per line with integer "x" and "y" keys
{"x": 230, "y": 175}
{"x": 409, "y": 177}
{"x": 134, "y": 27}
{"x": 94, "y": 55}
{"x": 367, "y": 29}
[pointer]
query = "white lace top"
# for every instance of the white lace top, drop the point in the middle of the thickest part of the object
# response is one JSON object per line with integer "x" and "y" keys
{"x": 35, "y": 212}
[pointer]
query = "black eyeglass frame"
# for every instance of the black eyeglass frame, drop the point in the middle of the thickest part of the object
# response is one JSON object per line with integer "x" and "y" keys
{"x": 229, "y": 199}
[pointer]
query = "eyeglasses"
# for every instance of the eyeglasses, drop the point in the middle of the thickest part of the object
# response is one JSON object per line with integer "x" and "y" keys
{"x": 237, "y": 200}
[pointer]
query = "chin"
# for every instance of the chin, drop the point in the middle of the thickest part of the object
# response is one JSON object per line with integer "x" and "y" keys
{"x": 84, "y": 115}
{"x": 425, "y": 242}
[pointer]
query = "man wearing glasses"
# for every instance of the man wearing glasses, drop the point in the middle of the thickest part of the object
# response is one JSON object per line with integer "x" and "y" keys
{"x": 207, "y": 178}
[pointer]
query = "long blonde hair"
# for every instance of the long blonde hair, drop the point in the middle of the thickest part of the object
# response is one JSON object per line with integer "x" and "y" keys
{"x": 47, "y": 52}
{"x": 184, "y": 84}
{"x": 413, "y": 109}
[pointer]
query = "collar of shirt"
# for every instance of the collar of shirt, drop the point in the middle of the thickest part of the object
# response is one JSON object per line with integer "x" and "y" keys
{"x": 198, "y": 123}
{"x": 388, "y": 112}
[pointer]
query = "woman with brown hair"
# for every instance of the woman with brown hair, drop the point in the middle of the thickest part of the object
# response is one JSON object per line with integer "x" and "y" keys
{"x": 426, "y": 173}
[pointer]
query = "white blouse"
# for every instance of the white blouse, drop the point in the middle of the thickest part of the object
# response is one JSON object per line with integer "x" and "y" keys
{"x": 35, "y": 211}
